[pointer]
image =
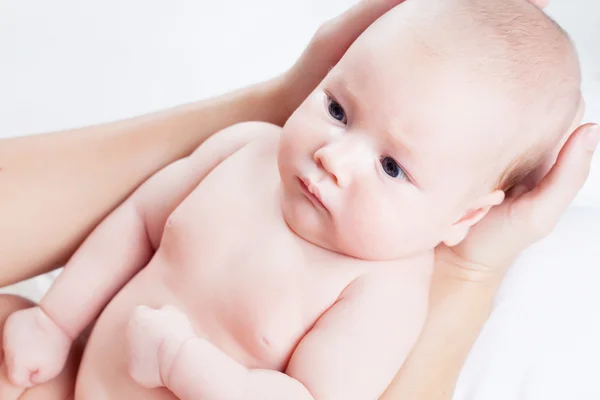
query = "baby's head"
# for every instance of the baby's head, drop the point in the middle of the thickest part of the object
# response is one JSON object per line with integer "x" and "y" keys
{"x": 432, "y": 114}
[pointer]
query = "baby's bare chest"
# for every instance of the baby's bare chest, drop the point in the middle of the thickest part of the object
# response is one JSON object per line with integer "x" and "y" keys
{"x": 251, "y": 286}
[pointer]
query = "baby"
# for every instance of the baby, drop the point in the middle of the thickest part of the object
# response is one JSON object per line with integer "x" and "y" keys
{"x": 294, "y": 262}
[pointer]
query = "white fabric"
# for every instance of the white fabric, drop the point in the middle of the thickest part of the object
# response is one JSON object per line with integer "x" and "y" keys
{"x": 68, "y": 63}
{"x": 541, "y": 341}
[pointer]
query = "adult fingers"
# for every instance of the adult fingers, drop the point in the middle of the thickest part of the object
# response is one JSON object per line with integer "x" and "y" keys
{"x": 347, "y": 27}
{"x": 556, "y": 191}
{"x": 540, "y": 3}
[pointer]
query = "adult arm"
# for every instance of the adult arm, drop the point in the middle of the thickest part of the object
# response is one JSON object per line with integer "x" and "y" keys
{"x": 56, "y": 187}
{"x": 37, "y": 340}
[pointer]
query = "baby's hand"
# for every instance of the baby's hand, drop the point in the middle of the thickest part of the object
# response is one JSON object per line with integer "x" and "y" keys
{"x": 155, "y": 337}
{"x": 35, "y": 348}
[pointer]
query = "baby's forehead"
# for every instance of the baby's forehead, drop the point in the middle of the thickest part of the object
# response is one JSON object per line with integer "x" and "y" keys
{"x": 476, "y": 85}
{"x": 418, "y": 95}
{"x": 400, "y": 76}
{"x": 442, "y": 120}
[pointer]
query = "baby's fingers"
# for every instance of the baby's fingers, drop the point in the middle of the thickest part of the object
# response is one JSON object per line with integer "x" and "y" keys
{"x": 17, "y": 374}
{"x": 8, "y": 391}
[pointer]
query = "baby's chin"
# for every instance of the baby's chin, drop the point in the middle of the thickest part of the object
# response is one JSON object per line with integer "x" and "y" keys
{"x": 306, "y": 225}
{"x": 320, "y": 230}
{"x": 330, "y": 239}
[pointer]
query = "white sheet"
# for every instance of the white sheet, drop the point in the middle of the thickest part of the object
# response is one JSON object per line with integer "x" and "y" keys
{"x": 541, "y": 341}
{"x": 68, "y": 63}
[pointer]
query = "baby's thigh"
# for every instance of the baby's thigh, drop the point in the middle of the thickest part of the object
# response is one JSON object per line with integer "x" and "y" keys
{"x": 60, "y": 388}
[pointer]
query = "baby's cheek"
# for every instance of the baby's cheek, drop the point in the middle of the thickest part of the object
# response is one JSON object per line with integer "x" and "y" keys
{"x": 370, "y": 232}
{"x": 286, "y": 145}
{"x": 402, "y": 230}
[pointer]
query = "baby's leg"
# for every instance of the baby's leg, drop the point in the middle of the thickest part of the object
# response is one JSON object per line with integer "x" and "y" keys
{"x": 61, "y": 387}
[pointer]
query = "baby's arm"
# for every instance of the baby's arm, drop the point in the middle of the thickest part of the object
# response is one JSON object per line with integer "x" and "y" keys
{"x": 357, "y": 347}
{"x": 116, "y": 250}
{"x": 126, "y": 240}
{"x": 353, "y": 351}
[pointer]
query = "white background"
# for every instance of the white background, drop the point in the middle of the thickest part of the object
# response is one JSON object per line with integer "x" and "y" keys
{"x": 67, "y": 63}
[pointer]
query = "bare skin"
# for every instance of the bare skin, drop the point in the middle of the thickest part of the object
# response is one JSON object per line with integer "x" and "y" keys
{"x": 459, "y": 295}
{"x": 261, "y": 323}
{"x": 105, "y": 365}
{"x": 83, "y": 174}
{"x": 60, "y": 388}
{"x": 69, "y": 170}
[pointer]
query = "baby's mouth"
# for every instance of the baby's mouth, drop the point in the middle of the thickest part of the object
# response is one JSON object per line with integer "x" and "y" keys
{"x": 312, "y": 193}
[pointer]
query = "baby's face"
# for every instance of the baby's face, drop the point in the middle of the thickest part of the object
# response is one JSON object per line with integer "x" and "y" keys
{"x": 388, "y": 153}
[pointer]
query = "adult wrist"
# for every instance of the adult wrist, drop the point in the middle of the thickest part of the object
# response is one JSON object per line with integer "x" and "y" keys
{"x": 274, "y": 96}
{"x": 451, "y": 264}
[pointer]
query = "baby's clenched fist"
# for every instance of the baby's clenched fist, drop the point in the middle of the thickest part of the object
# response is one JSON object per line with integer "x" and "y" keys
{"x": 35, "y": 347}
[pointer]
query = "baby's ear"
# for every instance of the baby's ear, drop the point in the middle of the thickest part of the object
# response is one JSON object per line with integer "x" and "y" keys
{"x": 459, "y": 229}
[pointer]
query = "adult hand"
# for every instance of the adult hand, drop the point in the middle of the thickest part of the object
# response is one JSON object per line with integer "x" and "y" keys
{"x": 327, "y": 47}
{"x": 329, "y": 44}
{"x": 540, "y": 3}
{"x": 527, "y": 215}
{"x": 466, "y": 277}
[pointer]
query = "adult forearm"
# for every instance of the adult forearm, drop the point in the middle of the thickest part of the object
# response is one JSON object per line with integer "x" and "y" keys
{"x": 56, "y": 187}
{"x": 458, "y": 311}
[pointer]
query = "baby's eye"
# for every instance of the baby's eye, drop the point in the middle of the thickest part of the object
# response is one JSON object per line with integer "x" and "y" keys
{"x": 391, "y": 167}
{"x": 336, "y": 110}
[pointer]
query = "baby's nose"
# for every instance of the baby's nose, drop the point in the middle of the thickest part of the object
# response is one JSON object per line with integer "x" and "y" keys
{"x": 342, "y": 160}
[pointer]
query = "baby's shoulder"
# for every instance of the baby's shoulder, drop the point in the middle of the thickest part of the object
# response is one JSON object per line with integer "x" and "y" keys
{"x": 262, "y": 136}
{"x": 249, "y": 141}
{"x": 228, "y": 141}
{"x": 251, "y": 132}
{"x": 259, "y": 130}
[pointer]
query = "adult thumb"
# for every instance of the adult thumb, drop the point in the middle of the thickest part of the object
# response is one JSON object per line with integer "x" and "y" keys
{"x": 559, "y": 187}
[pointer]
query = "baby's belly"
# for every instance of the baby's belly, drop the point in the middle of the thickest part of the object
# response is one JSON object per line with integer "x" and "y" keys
{"x": 103, "y": 372}
{"x": 262, "y": 339}
{"x": 247, "y": 283}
